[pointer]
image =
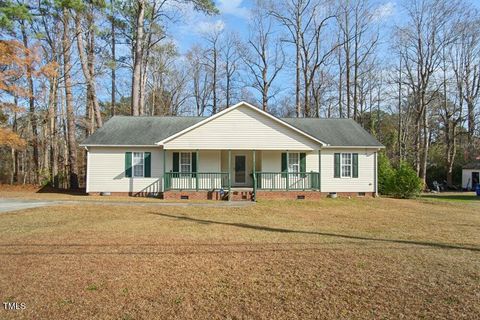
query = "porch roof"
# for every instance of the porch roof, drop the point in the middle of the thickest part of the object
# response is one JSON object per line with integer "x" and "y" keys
{"x": 147, "y": 130}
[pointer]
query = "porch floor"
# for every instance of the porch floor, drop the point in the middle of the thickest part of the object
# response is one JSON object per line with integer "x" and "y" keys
{"x": 242, "y": 189}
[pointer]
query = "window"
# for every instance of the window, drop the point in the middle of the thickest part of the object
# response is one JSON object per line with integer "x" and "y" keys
{"x": 294, "y": 162}
{"x": 186, "y": 162}
{"x": 346, "y": 167}
{"x": 138, "y": 164}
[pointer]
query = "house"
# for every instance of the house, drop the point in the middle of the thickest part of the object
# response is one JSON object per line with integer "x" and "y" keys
{"x": 240, "y": 153}
{"x": 471, "y": 175}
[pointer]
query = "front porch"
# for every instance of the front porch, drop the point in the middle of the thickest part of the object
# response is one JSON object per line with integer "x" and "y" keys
{"x": 224, "y": 174}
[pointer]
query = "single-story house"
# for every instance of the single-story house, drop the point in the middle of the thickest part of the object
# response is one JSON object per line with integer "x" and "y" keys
{"x": 471, "y": 175}
{"x": 241, "y": 152}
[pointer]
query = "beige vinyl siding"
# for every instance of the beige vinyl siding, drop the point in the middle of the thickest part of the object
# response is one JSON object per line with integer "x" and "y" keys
{"x": 366, "y": 172}
{"x": 106, "y": 170}
{"x": 272, "y": 162}
{"x": 242, "y": 129}
{"x": 467, "y": 178}
{"x": 208, "y": 162}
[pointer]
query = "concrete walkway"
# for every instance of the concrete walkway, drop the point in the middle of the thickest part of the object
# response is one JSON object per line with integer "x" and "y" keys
{"x": 7, "y": 205}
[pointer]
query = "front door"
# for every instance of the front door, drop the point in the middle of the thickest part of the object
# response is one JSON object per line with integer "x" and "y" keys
{"x": 240, "y": 169}
{"x": 475, "y": 176}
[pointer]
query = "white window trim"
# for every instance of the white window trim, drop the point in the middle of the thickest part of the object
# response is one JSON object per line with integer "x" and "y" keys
{"x": 341, "y": 165}
{"x": 133, "y": 165}
{"x": 297, "y": 164}
{"x": 180, "y": 162}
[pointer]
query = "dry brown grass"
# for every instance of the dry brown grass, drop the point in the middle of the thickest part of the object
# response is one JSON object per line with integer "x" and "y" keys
{"x": 337, "y": 258}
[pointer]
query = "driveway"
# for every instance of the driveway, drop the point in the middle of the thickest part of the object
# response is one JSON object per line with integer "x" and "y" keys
{"x": 7, "y": 205}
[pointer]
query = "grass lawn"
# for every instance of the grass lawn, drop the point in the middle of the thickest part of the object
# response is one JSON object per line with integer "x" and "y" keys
{"x": 335, "y": 258}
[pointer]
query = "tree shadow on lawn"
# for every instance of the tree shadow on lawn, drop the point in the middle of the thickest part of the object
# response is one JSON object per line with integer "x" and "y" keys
{"x": 344, "y": 236}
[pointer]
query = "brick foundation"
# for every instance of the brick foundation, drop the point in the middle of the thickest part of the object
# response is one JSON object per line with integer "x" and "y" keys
{"x": 307, "y": 195}
{"x": 237, "y": 195}
{"x": 193, "y": 195}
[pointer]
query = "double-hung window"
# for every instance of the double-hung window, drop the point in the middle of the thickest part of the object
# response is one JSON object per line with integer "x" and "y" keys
{"x": 185, "y": 162}
{"x": 294, "y": 162}
{"x": 346, "y": 165}
{"x": 138, "y": 164}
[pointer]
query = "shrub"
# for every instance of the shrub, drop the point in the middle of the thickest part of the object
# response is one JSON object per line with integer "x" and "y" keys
{"x": 405, "y": 182}
{"x": 385, "y": 175}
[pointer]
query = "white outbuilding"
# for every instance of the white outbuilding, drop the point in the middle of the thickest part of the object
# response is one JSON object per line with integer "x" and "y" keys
{"x": 470, "y": 175}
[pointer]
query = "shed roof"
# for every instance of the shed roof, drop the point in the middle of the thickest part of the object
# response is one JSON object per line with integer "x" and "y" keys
{"x": 472, "y": 165}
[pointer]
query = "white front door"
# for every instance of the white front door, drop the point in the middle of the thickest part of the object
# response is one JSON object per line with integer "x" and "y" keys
{"x": 240, "y": 176}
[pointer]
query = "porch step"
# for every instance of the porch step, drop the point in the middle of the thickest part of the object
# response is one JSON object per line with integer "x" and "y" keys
{"x": 238, "y": 195}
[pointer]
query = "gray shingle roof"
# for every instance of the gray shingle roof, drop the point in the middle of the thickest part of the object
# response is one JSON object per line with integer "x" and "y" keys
{"x": 125, "y": 130}
{"x": 335, "y": 132}
{"x": 472, "y": 165}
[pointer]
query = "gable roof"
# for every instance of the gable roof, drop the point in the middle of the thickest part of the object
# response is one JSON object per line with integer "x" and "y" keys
{"x": 149, "y": 131}
{"x": 230, "y": 109}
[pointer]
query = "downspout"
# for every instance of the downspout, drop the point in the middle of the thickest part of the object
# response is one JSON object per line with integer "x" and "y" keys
{"x": 254, "y": 179}
{"x": 229, "y": 175}
{"x": 164, "y": 169}
{"x": 287, "y": 182}
{"x": 319, "y": 170}
{"x": 196, "y": 173}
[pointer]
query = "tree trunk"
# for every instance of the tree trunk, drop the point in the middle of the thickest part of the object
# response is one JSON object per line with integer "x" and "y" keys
{"x": 214, "y": 82}
{"x": 298, "y": 107}
{"x": 31, "y": 109}
{"x": 114, "y": 63}
{"x": 72, "y": 141}
{"x": 137, "y": 59}
{"x": 470, "y": 129}
{"x": 87, "y": 63}
{"x": 52, "y": 131}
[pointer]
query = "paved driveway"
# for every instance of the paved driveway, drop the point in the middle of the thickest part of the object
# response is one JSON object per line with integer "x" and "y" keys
{"x": 7, "y": 205}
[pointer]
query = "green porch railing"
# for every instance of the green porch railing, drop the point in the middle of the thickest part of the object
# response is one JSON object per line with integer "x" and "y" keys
{"x": 196, "y": 180}
{"x": 287, "y": 181}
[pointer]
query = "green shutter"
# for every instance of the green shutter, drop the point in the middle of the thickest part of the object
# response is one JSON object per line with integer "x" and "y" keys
{"x": 355, "y": 165}
{"x": 128, "y": 164}
{"x": 176, "y": 163}
{"x": 194, "y": 163}
{"x": 284, "y": 164}
{"x": 148, "y": 164}
{"x": 303, "y": 164}
{"x": 337, "y": 165}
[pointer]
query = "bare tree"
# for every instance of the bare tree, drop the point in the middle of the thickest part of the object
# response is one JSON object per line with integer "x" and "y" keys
{"x": 291, "y": 15}
{"x": 137, "y": 56}
{"x": 200, "y": 75}
{"x": 359, "y": 41}
{"x": 421, "y": 43}
{"x": 212, "y": 57}
{"x": 230, "y": 65}
{"x": 263, "y": 56}
{"x": 87, "y": 59}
